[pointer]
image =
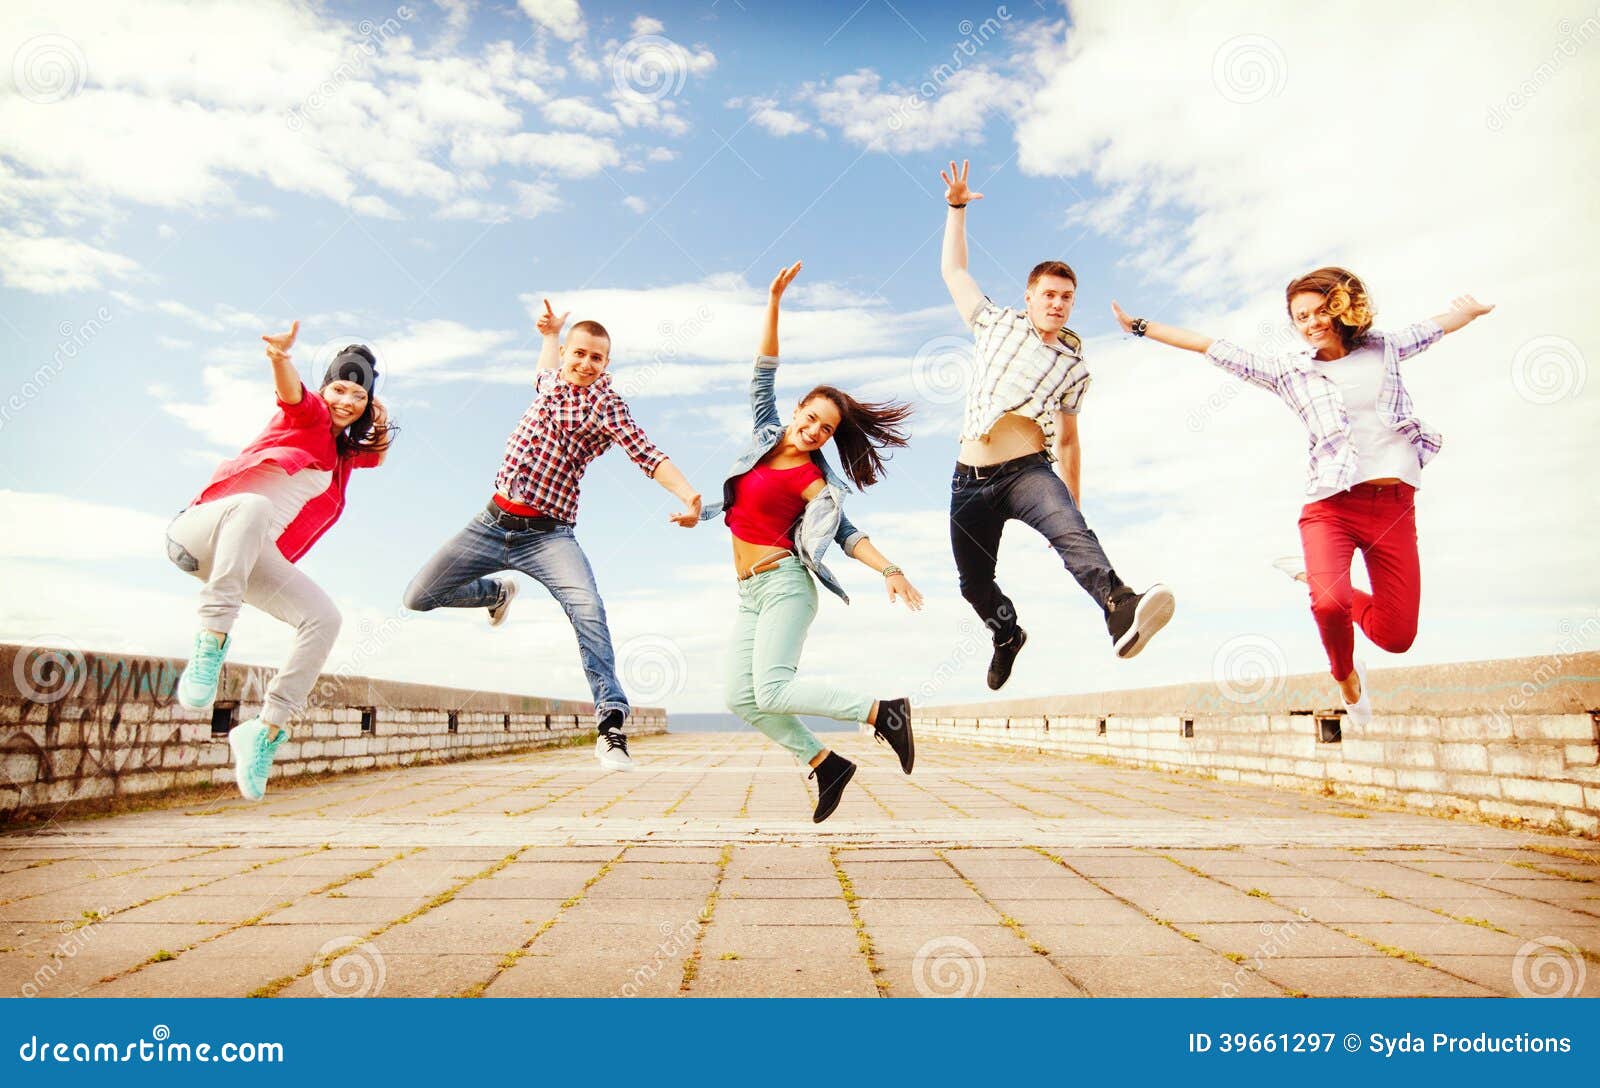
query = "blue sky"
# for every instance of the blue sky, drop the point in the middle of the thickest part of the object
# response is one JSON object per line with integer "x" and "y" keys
{"x": 447, "y": 169}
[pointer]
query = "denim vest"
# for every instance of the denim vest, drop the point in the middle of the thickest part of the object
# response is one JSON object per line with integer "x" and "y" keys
{"x": 823, "y": 519}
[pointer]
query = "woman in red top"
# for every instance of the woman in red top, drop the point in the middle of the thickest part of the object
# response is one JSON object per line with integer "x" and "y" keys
{"x": 784, "y": 506}
{"x": 260, "y": 513}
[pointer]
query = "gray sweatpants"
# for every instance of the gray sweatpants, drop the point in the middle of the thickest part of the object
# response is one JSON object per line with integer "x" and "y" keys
{"x": 228, "y": 544}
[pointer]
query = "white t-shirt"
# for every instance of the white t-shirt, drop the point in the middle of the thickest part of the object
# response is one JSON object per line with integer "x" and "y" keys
{"x": 1381, "y": 451}
{"x": 288, "y": 494}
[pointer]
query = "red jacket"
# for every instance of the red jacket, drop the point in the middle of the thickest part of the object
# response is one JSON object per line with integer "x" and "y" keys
{"x": 300, "y": 436}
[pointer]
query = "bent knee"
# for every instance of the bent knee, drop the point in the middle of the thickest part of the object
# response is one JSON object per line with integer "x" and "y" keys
{"x": 772, "y": 696}
{"x": 417, "y": 598}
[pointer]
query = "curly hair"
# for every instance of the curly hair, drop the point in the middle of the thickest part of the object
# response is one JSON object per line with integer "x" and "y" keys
{"x": 1347, "y": 300}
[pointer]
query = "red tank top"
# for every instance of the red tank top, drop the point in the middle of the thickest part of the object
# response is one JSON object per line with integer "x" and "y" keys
{"x": 767, "y": 501}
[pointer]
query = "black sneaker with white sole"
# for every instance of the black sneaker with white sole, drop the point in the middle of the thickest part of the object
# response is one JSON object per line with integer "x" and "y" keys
{"x": 1005, "y": 655}
{"x": 893, "y": 727}
{"x": 1134, "y": 618}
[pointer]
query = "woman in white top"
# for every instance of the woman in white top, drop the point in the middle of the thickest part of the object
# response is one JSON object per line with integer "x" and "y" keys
{"x": 1367, "y": 449}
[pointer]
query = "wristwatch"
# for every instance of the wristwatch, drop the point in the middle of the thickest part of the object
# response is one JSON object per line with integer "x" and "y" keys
{"x": 1139, "y": 326}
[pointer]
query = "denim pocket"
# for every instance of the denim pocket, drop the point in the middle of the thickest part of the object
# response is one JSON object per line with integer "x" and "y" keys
{"x": 180, "y": 556}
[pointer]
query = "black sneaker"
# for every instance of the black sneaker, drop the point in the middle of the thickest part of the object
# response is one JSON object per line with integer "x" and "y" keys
{"x": 894, "y": 728}
{"x": 1133, "y": 619}
{"x": 1005, "y": 655}
{"x": 833, "y": 774}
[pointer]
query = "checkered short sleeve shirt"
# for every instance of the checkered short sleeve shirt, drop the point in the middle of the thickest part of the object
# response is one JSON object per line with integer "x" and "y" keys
{"x": 566, "y": 427}
{"x": 1018, "y": 372}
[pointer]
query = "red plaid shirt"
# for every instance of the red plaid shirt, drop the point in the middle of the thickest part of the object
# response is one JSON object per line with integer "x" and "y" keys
{"x": 565, "y": 428}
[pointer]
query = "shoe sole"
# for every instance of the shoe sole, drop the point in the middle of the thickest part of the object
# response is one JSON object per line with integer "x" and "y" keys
{"x": 504, "y": 610}
{"x": 822, "y": 814}
{"x": 233, "y": 749}
{"x": 996, "y": 687}
{"x": 1153, "y": 613}
{"x": 185, "y": 700}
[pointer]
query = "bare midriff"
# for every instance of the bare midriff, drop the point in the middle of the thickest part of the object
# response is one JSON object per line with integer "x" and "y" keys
{"x": 1011, "y": 437}
{"x": 746, "y": 554}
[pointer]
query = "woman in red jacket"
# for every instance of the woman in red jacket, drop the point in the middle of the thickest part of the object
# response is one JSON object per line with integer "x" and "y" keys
{"x": 260, "y": 513}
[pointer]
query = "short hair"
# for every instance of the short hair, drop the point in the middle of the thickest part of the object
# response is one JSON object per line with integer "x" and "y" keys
{"x": 593, "y": 328}
{"x": 1052, "y": 268}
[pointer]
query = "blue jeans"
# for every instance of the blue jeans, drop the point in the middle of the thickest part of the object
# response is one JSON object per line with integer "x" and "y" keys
{"x": 456, "y": 577}
{"x": 1028, "y": 490}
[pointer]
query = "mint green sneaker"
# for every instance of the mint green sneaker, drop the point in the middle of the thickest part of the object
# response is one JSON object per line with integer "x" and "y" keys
{"x": 197, "y": 687}
{"x": 252, "y": 756}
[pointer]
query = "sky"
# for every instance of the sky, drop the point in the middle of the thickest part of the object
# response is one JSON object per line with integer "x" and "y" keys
{"x": 178, "y": 178}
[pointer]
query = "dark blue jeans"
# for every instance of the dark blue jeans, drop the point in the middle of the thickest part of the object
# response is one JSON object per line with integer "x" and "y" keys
{"x": 1028, "y": 490}
{"x": 457, "y": 577}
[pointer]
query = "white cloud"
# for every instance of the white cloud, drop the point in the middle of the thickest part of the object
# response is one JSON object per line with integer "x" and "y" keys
{"x": 563, "y": 18}
{"x": 764, "y": 113}
{"x": 644, "y": 24}
{"x": 51, "y": 265}
{"x": 902, "y": 118}
{"x": 635, "y": 204}
{"x": 579, "y": 113}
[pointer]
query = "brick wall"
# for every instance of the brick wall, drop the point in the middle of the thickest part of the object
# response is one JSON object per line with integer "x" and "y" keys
{"x": 78, "y": 726}
{"x": 1515, "y": 739}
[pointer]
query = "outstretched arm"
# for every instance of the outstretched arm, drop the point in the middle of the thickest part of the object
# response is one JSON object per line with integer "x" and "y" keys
{"x": 549, "y": 327}
{"x": 964, "y": 290}
{"x": 1165, "y": 334}
{"x": 1462, "y": 312}
{"x": 668, "y": 476}
{"x": 284, "y": 376}
{"x": 898, "y": 585}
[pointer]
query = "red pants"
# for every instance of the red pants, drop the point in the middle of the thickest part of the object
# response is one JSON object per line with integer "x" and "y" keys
{"x": 1382, "y": 522}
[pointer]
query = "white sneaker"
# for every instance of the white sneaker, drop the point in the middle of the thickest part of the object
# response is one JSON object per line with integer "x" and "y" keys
{"x": 508, "y": 593}
{"x": 1292, "y": 565}
{"x": 1360, "y": 711}
{"x": 611, "y": 749}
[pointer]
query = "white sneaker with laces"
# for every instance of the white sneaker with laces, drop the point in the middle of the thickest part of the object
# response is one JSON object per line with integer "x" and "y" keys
{"x": 1292, "y": 565}
{"x": 611, "y": 749}
{"x": 508, "y": 593}
{"x": 1360, "y": 711}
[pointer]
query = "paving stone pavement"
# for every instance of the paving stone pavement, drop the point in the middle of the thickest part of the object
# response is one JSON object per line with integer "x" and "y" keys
{"x": 700, "y": 874}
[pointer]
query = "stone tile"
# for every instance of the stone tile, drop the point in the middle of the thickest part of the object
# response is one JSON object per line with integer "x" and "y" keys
{"x": 962, "y": 976}
{"x": 1145, "y": 939}
{"x": 799, "y": 912}
{"x": 570, "y": 976}
{"x": 1164, "y": 976}
{"x": 780, "y": 941}
{"x": 1444, "y": 938}
{"x": 1366, "y": 977}
{"x": 842, "y": 977}
{"x": 760, "y": 888}
{"x": 1273, "y": 940}
{"x": 1037, "y": 912}
{"x": 395, "y": 975}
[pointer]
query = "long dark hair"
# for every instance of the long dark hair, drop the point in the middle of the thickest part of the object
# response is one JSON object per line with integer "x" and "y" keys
{"x": 364, "y": 435}
{"x": 864, "y": 429}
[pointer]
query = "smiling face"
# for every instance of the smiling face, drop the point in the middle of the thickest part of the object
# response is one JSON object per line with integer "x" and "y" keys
{"x": 584, "y": 357}
{"x": 1309, "y": 312}
{"x": 1049, "y": 301}
{"x": 813, "y": 424}
{"x": 346, "y": 402}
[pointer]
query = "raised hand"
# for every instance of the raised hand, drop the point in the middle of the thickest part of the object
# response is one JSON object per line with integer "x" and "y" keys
{"x": 900, "y": 586}
{"x": 549, "y": 324}
{"x": 1469, "y": 307}
{"x": 782, "y": 280}
{"x": 1122, "y": 318}
{"x": 278, "y": 345}
{"x": 956, "y": 191}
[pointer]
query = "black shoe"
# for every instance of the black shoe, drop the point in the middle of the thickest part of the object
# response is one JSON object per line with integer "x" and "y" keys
{"x": 894, "y": 728}
{"x": 1133, "y": 619}
{"x": 1005, "y": 655}
{"x": 833, "y": 774}
{"x": 611, "y": 719}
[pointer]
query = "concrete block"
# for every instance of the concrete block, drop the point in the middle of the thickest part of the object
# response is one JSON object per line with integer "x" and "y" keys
{"x": 1565, "y": 794}
{"x": 1566, "y": 727}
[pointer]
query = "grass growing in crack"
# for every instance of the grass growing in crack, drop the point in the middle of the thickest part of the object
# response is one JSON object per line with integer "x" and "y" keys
{"x": 863, "y": 939}
{"x": 691, "y": 962}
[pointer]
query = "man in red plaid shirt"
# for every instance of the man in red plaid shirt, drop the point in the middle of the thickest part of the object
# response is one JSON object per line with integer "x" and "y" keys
{"x": 575, "y": 416}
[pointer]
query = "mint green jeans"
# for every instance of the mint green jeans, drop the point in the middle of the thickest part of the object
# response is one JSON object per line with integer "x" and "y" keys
{"x": 776, "y": 608}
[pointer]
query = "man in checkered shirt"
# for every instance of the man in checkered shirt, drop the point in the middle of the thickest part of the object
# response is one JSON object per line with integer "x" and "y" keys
{"x": 575, "y": 416}
{"x": 1021, "y": 416}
